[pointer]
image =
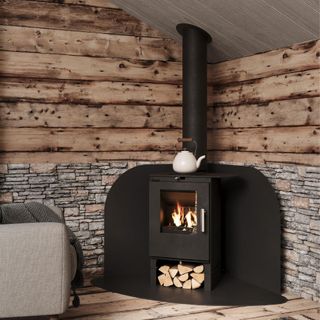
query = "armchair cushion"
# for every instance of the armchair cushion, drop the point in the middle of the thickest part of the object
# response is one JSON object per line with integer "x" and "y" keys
{"x": 35, "y": 271}
{"x": 37, "y": 212}
{"x": 39, "y": 262}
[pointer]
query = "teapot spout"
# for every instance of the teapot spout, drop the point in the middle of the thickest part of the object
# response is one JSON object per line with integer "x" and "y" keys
{"x": 199, "y": 161}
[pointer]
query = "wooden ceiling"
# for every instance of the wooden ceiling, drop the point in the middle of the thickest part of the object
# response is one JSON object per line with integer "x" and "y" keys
{"x": 238, "y": 27}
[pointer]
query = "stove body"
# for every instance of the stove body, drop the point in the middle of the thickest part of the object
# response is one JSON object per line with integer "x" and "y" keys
{"x": 196, "y": 236}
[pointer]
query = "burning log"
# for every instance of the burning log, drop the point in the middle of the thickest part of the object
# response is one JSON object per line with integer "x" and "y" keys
{"x": 184, "y": 219}
{"x": 191, "y": 219}
{"x": 186, "y": 276}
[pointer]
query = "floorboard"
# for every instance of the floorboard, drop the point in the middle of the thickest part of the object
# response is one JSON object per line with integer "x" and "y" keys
{"x": 97, "y": 304}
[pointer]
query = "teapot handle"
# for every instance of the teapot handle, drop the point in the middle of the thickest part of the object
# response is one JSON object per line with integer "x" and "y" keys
{"x": 189, "y": 140}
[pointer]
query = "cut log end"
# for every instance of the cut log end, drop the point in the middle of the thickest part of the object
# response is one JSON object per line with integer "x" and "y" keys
{"x": 165, "y": 280}
{"x": 164, "y": 269}
{"x": 186, "y": 276}
{"x": 173, "y": 271}
{"x": 195, "y": 284}
{"x": 187, "y": 285}
{"x": 198, "y": 269}
{"x": 177, "y": 282}
{"x": 185, "y": 268}
{"x": 199, "y": 277}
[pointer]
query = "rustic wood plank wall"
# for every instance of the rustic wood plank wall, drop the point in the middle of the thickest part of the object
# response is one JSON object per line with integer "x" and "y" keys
{"x": 83, "y": 81}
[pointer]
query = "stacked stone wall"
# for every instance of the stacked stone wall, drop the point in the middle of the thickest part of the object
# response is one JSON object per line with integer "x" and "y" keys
{"x": 298, "y": 191}
{"x": 81, "y": 190}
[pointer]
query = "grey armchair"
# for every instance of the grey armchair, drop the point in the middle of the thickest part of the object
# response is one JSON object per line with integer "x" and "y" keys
{"x": 36, "y": 267}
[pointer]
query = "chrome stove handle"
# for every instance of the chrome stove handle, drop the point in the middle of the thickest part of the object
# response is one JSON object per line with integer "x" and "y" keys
{"x": 203, "y": 220}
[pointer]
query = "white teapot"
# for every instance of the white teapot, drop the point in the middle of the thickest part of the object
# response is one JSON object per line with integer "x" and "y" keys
{"x": 186, "y": 162}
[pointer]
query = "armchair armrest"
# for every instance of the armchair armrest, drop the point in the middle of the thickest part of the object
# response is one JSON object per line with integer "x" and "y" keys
{"x": 35, "y": 271}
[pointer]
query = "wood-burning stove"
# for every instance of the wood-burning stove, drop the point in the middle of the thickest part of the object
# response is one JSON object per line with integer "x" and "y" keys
{"x": 183, "y": 216}
{"x": 184, "y": 222}
{"x": 184, "y": 210}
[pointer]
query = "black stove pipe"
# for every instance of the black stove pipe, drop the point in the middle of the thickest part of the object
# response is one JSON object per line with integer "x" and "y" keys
{"x": 194, "y": 121}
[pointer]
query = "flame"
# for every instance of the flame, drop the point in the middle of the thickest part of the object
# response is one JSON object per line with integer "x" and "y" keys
{"x": 191, "y": 219}
{"x": 177, "y": 215}
{"x": 179, "y": 219}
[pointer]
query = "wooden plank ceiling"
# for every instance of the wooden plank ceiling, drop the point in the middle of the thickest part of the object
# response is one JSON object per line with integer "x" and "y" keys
{"x": 238, "y": 27}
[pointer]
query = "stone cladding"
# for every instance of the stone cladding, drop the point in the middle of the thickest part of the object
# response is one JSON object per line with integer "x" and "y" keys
{"x": 81, "y": 190}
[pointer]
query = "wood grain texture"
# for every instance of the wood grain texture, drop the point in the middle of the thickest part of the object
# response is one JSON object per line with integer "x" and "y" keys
{"x": 236, "y": 157}
{"x": 54, "y": 66}
{"x": 289, "y": 306}
{"x": 49, "y": 139}
{"x": 88, "y": 68}
{"x": 84, "y": 157}
{"x": 112, "y": 306}
{"x": 248, "y": 158}
{"x": 283, "y": 139}
{"x": 282, "y": 87}
{"x": 295, "y": 112}
{"x": 90, "y": 92}
{"x": 299, "y": 57}
{"x": 84, "y": 68}
{"x": 72, "y": 17}
{"x": 25, "y": 114}
{"x": 39, "y": 40}
{"x": 94, "y": 3}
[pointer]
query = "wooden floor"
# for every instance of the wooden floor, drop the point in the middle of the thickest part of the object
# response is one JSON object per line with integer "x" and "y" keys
{"x": 98, "y": 304}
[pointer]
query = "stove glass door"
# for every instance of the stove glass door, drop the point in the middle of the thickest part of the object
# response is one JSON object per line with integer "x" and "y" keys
{"x": 178, "y": 211}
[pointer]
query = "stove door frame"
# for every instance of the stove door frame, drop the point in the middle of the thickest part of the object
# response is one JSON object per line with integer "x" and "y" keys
{"x": 189, "y": 246}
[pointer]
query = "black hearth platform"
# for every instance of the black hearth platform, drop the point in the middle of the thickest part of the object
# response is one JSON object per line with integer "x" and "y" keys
{"x": 230, "y": 291}
{"x": 250, "y": 240}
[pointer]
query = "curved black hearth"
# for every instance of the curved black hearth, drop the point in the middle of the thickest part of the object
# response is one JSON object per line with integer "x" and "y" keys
{"x": 250, "y": 240}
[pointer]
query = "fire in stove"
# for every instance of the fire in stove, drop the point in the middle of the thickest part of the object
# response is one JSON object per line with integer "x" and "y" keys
{"x": 182, "y": 219}
{"x": 178, "y": 215}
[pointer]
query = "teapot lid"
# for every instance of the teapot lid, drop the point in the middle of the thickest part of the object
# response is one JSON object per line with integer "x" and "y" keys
{"x": 185, "y": 150}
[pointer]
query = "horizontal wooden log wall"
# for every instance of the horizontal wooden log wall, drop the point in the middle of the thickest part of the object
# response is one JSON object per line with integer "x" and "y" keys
{"x": 83, "y": 81}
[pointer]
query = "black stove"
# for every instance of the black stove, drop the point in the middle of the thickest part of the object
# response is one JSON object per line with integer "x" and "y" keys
{"x": 185, "y": 222}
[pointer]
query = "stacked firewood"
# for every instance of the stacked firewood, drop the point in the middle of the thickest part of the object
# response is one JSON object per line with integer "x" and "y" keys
{"x": 185, "y": 276}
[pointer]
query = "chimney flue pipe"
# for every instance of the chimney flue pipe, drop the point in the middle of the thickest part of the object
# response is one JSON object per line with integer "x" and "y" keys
{"x": 194, "y": 120}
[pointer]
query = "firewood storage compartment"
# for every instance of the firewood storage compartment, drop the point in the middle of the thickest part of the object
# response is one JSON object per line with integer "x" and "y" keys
{"x": 184, "y": 222}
